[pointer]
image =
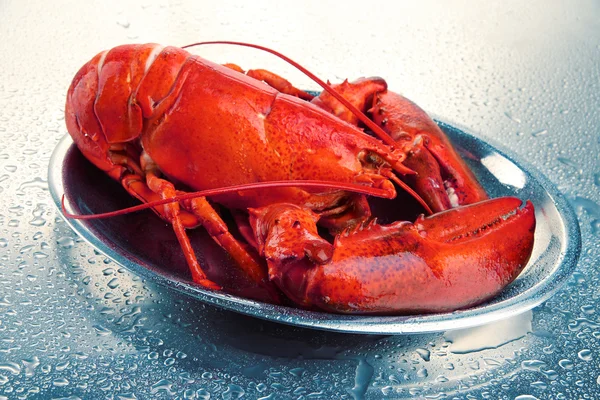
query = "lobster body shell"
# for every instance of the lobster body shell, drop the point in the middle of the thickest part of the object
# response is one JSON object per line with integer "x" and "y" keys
{"x": 225, "y": 128}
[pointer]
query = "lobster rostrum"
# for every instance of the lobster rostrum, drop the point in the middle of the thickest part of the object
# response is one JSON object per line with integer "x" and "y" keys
{"x": 163, "y": 122}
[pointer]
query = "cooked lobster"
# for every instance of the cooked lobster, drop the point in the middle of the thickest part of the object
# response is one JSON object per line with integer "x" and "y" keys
{"x": 163, "y": 122}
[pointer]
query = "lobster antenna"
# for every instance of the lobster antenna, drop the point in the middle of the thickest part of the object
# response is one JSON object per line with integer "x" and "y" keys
{"x": 381, "y": 134}
{"x": 350, "y": 187}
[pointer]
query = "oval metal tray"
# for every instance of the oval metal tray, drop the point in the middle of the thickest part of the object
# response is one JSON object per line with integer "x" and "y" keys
{"x": 144, "y": 244}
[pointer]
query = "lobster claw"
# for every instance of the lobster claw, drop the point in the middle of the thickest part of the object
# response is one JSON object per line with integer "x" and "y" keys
{"x": 442, "y": 177}
{"x": 444, "y": 262}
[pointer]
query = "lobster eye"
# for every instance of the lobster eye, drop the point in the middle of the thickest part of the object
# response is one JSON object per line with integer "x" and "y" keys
{"x": 370, "y": 159}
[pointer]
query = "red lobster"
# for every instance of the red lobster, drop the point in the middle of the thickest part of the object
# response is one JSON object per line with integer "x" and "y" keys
{"x": 158, "y": 120}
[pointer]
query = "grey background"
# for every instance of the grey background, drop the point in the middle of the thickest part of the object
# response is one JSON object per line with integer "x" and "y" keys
{"x": 75, "y": 325}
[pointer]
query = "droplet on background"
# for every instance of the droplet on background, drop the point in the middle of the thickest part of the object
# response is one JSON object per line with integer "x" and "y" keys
{"x": 66, "y": 242}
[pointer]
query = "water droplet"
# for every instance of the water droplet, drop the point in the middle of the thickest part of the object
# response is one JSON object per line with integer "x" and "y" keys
{"x": 3, "y": 242}
{"x": 38, "y": 219}
{"x": 597, "y": 179}
{"x": 11, "y": 367}
{"x": 424, "y": 353}
{"x": 233, "y": 392}
{"x": 26, "y": 248}
{"x": 588, "y": 309}
{"x": 449, "y": 366}
{"x": 585, "y": 355}
{"x": 30, "y": 365}
{"x": 491, "y": 362}
{"x": 533, "y": 365}
{"x": 62, "y": 366}
{"x": 261, "y": 387}
{"x": 39, "y": 255}
{"x": 169, "y": 361}
{"x": 539, "y": 133}
{"x": 101, "y": 330}
{"x": 539, "y": 385}
{"x": 526, "y": 397}
{"x": 123, "y": 22}
{"x": 512, "y": 117}
{"x": 60, "y": 382}
{"x": 66, "y": 242}
{"x": 566, "y": 364}
{"x": 596, "y": 227}
{"x": 581, "y": 323}
{"x": 203, "y": 394}
{"x": 113, "y": 283}
{"x": 568, "y": 162}
{"x": 550, "y": 374}
{"x": 162, "y": 385}
{"x": 36, "y": 183}
{"x": 362, "y": 378}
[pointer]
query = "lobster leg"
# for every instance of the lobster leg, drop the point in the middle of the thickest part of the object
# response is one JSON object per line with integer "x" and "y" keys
{"x": 275, "y": 81}
{"x": 206, "y": 216}
{"x": 447, "y": 261}
{"x": 166, "y": 190}
{"x": 139, "y": 179}
{"x": 279, "y": 83}
{"x": 218, "y": 230}
{"x": 197, "y": 212}
{"x": 358, "y": 93}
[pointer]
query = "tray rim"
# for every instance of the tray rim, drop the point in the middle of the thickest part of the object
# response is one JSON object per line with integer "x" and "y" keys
{"x": 360, "y": 324}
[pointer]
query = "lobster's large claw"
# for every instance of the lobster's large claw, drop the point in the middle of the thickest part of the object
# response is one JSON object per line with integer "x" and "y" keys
{"x": 440, "y": 177}
{"x": 448, "y": 261}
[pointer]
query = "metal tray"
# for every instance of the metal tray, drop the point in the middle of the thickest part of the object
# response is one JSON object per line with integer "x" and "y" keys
{"x": 147, "y": 246}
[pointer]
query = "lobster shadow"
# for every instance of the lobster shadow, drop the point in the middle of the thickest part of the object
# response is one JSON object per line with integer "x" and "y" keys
{"x": 227, "y": 339}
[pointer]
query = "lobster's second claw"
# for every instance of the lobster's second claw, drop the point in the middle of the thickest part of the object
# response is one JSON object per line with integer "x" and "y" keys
{"x": 412, "y": 268}
{"x": 405, "y": 122}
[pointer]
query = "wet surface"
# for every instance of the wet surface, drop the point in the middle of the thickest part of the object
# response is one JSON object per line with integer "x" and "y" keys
{"x": 146, "y": 245}
{"x": 73, "y": 324}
